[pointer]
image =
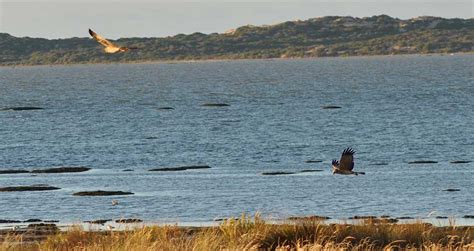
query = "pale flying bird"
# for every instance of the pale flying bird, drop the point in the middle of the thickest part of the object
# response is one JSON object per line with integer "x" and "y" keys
{"x": 109, "y": 46}
{"x": 345, "y": 164}
{"x": 431, "y": 213}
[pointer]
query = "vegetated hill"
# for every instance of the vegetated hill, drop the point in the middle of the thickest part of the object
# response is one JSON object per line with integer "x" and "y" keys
{"x": 318, "y": 37}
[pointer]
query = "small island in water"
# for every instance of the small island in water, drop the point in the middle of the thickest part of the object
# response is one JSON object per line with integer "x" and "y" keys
{"x": 329, "y": 36}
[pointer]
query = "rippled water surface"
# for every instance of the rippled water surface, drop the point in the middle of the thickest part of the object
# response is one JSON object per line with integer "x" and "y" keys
{"x": 107, "y": 117}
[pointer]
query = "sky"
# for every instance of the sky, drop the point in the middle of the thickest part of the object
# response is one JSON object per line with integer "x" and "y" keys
{"x": 161, "y": 18}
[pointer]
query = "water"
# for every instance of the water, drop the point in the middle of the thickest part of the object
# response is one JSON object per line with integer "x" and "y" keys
{"x": 107, "y": 117}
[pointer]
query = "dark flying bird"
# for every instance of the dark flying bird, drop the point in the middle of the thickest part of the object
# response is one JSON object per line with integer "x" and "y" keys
{"x": 345, "y": 164}
{"x": 109, "y": 46}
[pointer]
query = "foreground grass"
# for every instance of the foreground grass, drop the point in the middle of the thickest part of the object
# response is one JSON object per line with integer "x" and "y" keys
{"x": 255, "y": 234}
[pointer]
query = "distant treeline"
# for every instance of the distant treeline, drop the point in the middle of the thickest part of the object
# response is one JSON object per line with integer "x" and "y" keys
{"x": 318, "y": 37}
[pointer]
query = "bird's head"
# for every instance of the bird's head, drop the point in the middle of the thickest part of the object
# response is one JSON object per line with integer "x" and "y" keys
{"x": 335, "y": 164}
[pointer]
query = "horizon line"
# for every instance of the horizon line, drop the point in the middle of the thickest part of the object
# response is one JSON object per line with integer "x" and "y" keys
{"x": 261, "y": 26}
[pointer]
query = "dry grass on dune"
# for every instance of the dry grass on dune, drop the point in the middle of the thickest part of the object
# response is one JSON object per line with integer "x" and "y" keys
{"x": 255, "y": 234}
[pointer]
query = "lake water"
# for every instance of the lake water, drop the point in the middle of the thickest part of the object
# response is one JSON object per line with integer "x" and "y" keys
{"x": 394, "y": 110}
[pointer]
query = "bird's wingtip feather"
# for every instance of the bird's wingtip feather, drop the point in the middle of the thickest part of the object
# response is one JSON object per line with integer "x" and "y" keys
{"x": 348, "y": 151}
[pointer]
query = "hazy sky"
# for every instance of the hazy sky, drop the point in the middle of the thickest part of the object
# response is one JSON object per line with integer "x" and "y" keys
{"x": 147, "y": 18}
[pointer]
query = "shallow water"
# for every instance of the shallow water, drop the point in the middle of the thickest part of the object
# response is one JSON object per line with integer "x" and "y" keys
{"x": 107, "y": 117}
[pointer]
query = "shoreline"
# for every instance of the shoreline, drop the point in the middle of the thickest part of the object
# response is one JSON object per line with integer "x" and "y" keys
{"x": 88, "y": 226}
{"x": 147, "y": 62}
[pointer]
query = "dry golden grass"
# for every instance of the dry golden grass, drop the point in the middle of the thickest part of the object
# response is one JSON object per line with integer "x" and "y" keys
{"x": 249, "y": 233}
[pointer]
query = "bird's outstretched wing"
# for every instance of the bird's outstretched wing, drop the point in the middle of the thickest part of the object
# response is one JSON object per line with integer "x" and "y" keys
{"x": 347, "y": 159}
{"x": 101, "y": 40}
